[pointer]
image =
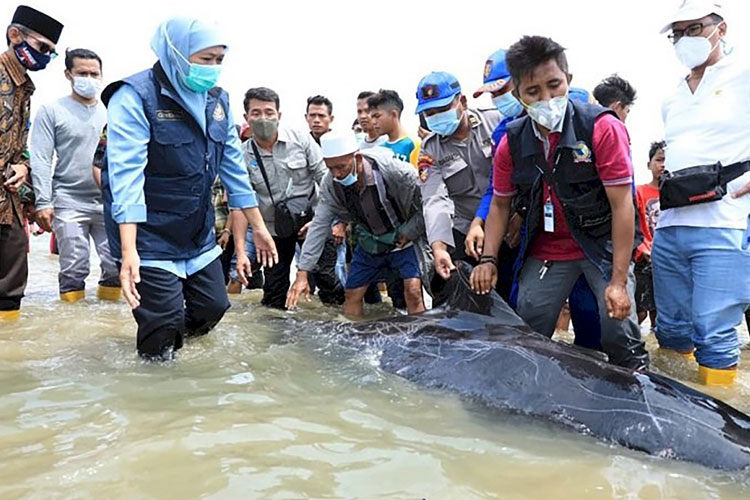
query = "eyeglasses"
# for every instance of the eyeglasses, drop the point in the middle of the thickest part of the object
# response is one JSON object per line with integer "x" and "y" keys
{"x": 44, "y": 48}
{"x": 694, "y": 29}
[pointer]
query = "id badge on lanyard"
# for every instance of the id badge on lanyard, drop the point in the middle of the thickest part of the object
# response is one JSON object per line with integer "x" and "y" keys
{"x": 549, "y": 215}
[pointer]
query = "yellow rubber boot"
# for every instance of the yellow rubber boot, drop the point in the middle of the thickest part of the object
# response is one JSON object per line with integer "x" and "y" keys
{"x": 108, "y": 292}
{"x": 73, "y": 296}
{"x": 10, "y": 315}
{"x": 717, "y": 377}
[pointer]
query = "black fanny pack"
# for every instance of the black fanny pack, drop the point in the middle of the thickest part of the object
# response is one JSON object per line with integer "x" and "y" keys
{"x": 696, "y": 185}
{"x": 289, "y": 214}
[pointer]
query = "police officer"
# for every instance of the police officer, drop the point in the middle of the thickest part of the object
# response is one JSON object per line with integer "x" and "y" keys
{"x": 379, "y": 193}
{"x": 170, "y": 133}
{"x": 454, "y": 166}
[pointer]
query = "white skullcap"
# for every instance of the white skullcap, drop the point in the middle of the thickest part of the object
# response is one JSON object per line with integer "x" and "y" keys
{"x": 335, "y": 144}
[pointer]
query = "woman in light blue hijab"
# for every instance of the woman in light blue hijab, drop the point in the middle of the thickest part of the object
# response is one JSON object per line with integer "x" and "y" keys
{"x": 178, "y": 41}
{"x": 170, "y": 132}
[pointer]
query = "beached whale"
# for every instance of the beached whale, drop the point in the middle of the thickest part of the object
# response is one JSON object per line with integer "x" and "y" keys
{"x": 478, "y": 347}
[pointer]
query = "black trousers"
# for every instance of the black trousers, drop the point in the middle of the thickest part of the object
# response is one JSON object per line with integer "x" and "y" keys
{"x": 14, "y": 268}
{"x": 276, "y": 283}
{"x": 172, "y": 308}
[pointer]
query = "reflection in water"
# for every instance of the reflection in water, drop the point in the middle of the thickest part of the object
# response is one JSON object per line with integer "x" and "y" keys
{"x": 263, "y": 409}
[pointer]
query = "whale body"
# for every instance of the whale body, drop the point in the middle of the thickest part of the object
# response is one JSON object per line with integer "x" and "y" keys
{"x": 478, "y": 347}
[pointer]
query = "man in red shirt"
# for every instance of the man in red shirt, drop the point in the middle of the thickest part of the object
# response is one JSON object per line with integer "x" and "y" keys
{"x": 566, "y": 169}
{"x": 648, "y": 211}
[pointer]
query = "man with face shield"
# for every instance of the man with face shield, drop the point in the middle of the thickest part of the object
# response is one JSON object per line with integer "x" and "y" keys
{"x": 454, "y": 165}
{"x": 31, "y": 38}
{"x": 69, "y": 201}
{"x": 285, "y": 168}
{"x": 170, "y": 133}
{"x": 380, "y": 194}
{"x": 700, "y": 255}
{"x": 566, "y": 167}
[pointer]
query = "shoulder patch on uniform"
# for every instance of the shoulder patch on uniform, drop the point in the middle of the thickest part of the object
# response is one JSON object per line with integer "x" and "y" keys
{"x": 219, "y": 114}
{"x": 581, "y": 153}
{"x": 424, "y": 164}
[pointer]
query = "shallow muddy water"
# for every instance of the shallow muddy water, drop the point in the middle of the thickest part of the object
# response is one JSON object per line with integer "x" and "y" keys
{"x": 267, "y": 407}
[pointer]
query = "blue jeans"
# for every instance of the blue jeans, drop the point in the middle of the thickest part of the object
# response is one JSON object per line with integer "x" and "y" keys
{"x": 702, "y": 288}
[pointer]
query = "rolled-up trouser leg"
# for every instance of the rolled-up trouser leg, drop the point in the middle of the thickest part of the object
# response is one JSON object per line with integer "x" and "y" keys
{"x": 13, "y": 265}
{"x": 109, "y": 273}
{"x": 161, "y": 315}
{"x": 72, "y": 233}
{"x": 621, "y": 339}
{"x": 206, "y": 299}
{"x": 330, "y": 289}
{"x": 721, "y": 292}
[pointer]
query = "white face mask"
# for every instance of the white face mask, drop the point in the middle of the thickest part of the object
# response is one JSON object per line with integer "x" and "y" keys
{"x": 549, "y": 114}
{"x": 693, "y": 51}
{"x": 86, "y": 87}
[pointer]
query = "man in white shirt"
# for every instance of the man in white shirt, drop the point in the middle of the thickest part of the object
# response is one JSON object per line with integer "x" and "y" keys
{"x": 701, "y": 259}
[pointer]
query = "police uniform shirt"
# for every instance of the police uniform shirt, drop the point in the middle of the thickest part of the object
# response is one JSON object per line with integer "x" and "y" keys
{"x": 294, "y": 167}
{"x": 455, "y": 175}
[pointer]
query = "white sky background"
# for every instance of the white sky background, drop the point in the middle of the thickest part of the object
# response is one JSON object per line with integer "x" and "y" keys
{"x": 339, "y": 48}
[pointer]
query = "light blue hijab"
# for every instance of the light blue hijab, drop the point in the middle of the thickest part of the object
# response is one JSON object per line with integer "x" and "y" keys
{"x": 186, "y": 36}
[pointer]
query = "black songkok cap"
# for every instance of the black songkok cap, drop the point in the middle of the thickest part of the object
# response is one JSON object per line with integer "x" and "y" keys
{"x": 38, "y": 21}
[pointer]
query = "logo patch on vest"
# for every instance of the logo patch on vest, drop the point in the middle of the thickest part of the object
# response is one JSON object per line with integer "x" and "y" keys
{"x": 219, "y": 114}
{"x": 169, "y": 115}
{"x": 581, "y": 153}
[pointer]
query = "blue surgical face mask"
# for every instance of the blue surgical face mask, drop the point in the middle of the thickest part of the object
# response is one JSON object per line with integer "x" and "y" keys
{"x": 508, "y": 105}
{"x": 30, "y": 58}
{"x": 444, "y": 123}
{"x": 200, "y": 77}
{"x": 351, "y": 178}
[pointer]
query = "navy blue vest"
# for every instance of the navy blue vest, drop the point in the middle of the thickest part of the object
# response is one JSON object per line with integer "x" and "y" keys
{"x": 182, "y": 165}
{"x": 575, "y": 181}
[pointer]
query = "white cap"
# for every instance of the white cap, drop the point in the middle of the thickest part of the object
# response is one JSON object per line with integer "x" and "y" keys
{"x": 335, "y": 144}
{"x": 693, "y": 9}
